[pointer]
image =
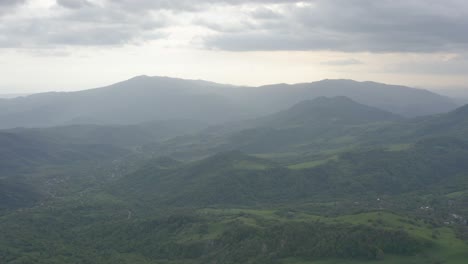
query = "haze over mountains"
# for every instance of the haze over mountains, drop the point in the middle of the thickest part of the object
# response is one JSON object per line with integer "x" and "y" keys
{"x": 162, "y": 170}
{"x": 8, "y": 96}
{"x": 146, "y": 99}
{"x": 459, "y": 94}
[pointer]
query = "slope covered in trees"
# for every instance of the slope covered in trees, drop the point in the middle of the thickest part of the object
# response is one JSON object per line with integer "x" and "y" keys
{"x": 326, "y": 180}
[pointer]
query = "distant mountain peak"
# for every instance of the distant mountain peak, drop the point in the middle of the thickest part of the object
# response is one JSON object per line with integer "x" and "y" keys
{"x": 331, "y": 100}
{"x": 463, "y": 110}
{"x": 338, "y": 109}
{"x": 143, "y": 76}
{"x": 337, "y": 80}
{"x": 335, "y": 102}
{"x": 145, "y": 98}
{"x": 322, "y": 102}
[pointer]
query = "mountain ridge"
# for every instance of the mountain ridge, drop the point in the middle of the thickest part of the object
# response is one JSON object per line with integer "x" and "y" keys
{"x": 143, "y": 98}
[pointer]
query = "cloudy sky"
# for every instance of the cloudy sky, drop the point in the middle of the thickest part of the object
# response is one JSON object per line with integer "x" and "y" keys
{"x": 77, "y": 44}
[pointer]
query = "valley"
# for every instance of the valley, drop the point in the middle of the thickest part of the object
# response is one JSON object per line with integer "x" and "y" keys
{"x": 325, "y": 180}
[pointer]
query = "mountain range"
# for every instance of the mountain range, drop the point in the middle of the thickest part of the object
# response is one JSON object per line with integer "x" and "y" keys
{"x": 161, "y": 170}
{"x": 146, "y": 99}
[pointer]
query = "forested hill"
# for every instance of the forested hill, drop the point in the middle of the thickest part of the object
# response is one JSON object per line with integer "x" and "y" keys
{"x": 23, "y": 153}
{"x": 324, "y": 111}
{"x": 326, "y": 179}
{"x": 235, "y": 179}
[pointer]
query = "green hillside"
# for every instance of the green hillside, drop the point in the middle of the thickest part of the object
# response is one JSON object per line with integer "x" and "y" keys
{"x": 325, "y": 181}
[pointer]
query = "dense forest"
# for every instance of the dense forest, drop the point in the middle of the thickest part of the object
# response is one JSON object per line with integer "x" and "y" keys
{"x": 324, "y": 180}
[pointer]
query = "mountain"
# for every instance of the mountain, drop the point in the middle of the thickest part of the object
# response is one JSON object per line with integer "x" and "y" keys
{"x": 401, "y": 100}
{"x": 310, "y": 125}
{"x": 324, "y": 111}
{"x": 11, "y": 95}
{"x": 458, "y": 94}
{"x": 454, "y": 123}
{"x": 269, "y": 134}
{"x": 145, "y": 99}
{"x": 140, "y": 99}
{"x": 451, "y": 124}
{"x": 336, "y": 198}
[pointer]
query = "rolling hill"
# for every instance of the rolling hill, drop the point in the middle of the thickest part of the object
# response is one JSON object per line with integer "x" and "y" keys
{"x": 15, "y": 193}
{"x": 127, "y": 136}
{"x": 309, "y": 124}
{"x": 312, "y": 125}
{"x": 401, "y": 100}
{"x": 323, "y": 111}
{"x": 20, "y": 153}
{"x": 359, "y": 184}
{"x": 235, "y": 179}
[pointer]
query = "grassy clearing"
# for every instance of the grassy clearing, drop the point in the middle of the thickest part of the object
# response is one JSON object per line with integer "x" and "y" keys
{"x": 250, "y": 165}
{"x": 399, "y": 147}
{"x": 448, "y": 249}
{"x": 455, "y": 195}
{"x": 311, "y": 164}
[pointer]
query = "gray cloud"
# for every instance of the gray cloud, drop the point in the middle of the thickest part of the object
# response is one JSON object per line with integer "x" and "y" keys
{"x": 80, "y": 24}
{"x": 186, "y": 5}
{"x": 108, "y": 22}
{"x": 9, "y": 3}
{"x": 73, "y": 4}
{"x": 265, "y": 13}
{"x": 7, "y": 6}
{"x": 454, "y": 66}
{"x": 344, "y": 62}
{"x": 337, "y": 25}
{"x": 224, "y": 27}
{"x": 358, "y": 25}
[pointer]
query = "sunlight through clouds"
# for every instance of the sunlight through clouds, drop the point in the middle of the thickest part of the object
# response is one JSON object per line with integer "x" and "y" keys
{"x": 354, "y": 35}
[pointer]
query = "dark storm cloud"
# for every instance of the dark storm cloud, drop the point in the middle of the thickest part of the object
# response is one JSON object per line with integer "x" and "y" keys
{"x": 358, "y": 25}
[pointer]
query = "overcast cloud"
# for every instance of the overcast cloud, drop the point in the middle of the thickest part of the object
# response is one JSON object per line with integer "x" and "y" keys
{"x": 8, "y": 5}
{"x": 358, "y": 25}
{"x": 346, "y": 30}
{"x": 457, "y": 65}
{"x": 338, "y": 25}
